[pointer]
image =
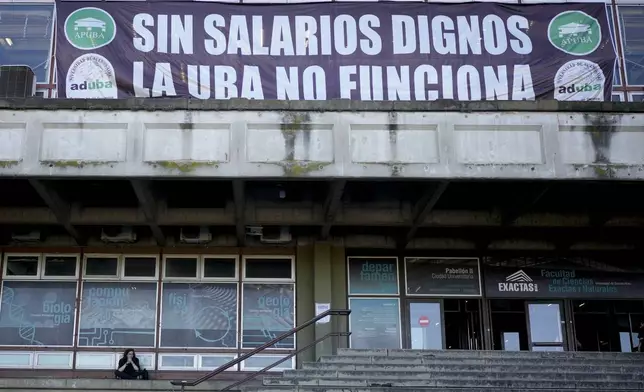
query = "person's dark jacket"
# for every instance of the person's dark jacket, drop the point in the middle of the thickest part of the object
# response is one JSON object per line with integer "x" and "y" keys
{"x": 129, "y": 369}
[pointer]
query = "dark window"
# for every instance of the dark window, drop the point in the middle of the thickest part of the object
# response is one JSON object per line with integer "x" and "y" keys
{"x": 632, "y": 27}
{"x": 178, "y": 267}
{"x": 60, "y": 265}
{"x": 101, "y": 266}
{"x": 140, "y": 266}
{"x": 269, "y": 268}
{"x": 22, "y": 265}
{"x": 218, "y": 268}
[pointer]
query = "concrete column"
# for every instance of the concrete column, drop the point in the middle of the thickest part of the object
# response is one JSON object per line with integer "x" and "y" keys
{"x": 304, "y": 302}
{"x": 322, "y": 288}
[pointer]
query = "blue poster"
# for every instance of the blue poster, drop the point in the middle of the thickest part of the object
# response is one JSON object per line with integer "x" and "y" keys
{"x": 37, "y": 313}
{"x": 199, "y": 315}
{"x": 374, "y": 322}
{"x": 268, "y": 312}
{"x": 118, "y": 314}
{"x": 373, "y": 276}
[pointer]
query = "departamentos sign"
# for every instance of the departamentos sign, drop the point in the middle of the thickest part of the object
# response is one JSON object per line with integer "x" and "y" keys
{"x": 379, "y": 51}
{"x": 561, "y": 283}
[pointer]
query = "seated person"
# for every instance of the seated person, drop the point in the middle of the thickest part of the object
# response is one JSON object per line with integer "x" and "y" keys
{"x": 129, "y": 367}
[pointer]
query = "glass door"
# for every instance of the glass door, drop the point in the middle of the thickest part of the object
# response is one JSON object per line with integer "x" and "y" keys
{"x": 545, "y": 326}
{"x": 426, "y": 325}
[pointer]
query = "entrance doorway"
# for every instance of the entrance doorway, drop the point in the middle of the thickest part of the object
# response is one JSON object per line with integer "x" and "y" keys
{"x": 453, "y": 324}
{"x": 606, "y": 325}
{"x": 545, "y": 326}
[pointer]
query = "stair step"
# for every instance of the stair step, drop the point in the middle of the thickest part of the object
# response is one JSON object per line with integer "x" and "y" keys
{"x": 417, "y": 389}
{"x": 433, "y": 359}
{"x": 343, "y": 352}
{"x": 462, "y": 375}
{"x": 543, "y": 383}
{"x": 476, "y": 365}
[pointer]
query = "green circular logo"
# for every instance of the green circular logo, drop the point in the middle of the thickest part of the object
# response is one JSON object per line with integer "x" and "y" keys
{"x": 575, "y": 32}
{"x": 90, "y": 28}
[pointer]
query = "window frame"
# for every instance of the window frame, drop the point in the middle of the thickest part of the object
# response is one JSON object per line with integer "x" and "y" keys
{"x": 202, "y": 269}
{"x": 633, "y": 94}
{"x": 620, "y": 94}
{"x": 70, "y": 277}
{"x": 5, "y": 267}
{"x": 269, "y": 280}
{"x": 622, "y": 36}
{"x": 180, "y": 279}
{"x": 125, "y": 256}
{"x": 116, "y": 276}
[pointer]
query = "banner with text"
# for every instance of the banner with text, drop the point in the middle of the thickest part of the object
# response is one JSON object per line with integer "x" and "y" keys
{"x": 383, "y": 51}
{"x": 562, "y": 282}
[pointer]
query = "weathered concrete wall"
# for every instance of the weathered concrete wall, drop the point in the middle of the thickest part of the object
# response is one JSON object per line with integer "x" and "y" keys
{"x": 168, "y": 138}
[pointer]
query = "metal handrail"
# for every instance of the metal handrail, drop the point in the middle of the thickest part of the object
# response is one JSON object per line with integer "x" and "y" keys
{"x": 291, "y": 355}
{"x": 222, "y": 368}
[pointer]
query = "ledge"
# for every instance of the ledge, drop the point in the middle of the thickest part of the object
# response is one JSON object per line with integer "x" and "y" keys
{"x": 165, "y": 104}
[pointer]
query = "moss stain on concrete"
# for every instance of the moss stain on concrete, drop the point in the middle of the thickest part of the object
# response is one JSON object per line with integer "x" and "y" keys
{"x": 73, "y": 163}
{"x": 8, "y": 164}
{"x": 184, "y": 166}
{"x": 301, "y": 168}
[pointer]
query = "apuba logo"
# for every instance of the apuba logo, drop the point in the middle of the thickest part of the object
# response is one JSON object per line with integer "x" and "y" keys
{"x": 90, "y": 28}
{"x": 518, "y": 281}
{"x": 575, "y": 32}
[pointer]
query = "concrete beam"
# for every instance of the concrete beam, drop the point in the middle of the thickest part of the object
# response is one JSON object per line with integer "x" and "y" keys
{"x": 59, "y": 208}
{"x": 239, "y": 199}
{"x": 331, "y": 205}
{"x": 299, "y": 215}
{"x": 524, "y": 205}
{"x": 423, "y": 208}
{"x": 150, "y": 209}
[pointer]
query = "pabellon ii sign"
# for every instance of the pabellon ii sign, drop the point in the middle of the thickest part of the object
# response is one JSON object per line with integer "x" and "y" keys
{"x": 335, "y": 50}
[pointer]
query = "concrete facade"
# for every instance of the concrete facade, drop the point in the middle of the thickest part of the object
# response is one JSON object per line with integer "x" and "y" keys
{"x": 252, "y": 139}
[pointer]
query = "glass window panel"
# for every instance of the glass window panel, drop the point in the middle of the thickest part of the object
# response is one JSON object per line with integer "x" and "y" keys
{"x": 22, "y": 265}
{"x": 547, "y": 348}
{"x": 101, "y": 266}
{"x": 545, "y": 323}
{"x": 616, "y": 76}
{"x": 95, "y": 361}
{"x": 25, "y": 36}
{"x": 374, "y": 322}
{"x": 261, "y": 361}
{"x": 218, "y": 268}
{"x": 211, "y": 362}
{"x": 54, "y": 360}
{"x": 178, "y": 267}
{"x": 426, "y": 326}
{"x": 258, "y": 268}
{"x": 373, "y": 275}
{"x": 511, "y": 341}
{"x": 15, "y": 359}
{"x": 184, "y": 361}
{"x": 146, "y": 360}
{"x": 37, "y": 313}
{"x": 140, "y": 267}
{"x": 199, "y": 315}
{"x": 617, "y": 98}
{"x": 118, "y": 314}
{"x": 60, "y": 265}
{"x": 268, "y": 311}
{"x": 632, "y": 27}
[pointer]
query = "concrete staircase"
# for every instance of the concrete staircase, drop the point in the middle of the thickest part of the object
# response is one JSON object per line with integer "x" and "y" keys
{"x": 462, "y": 371}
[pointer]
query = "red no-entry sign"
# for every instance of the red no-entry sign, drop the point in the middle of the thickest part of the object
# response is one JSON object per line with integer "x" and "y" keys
{"x": 423, "y": 321}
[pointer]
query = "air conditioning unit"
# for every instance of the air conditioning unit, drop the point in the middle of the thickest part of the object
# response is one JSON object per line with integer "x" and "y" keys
{"x": 280, "y": 236}
{"x": 30, "y": 236}
{"x": 17, "y": 81}
{"x": 201, "y": 236}
{"x": 118, "y": 235}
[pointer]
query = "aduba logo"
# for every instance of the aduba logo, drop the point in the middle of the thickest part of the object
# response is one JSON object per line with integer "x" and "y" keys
{"x": 90, "y": 28}
{"x": 91, "y": 76}
{"x": 575, "y": 32}
{"x": 579, "y": 80}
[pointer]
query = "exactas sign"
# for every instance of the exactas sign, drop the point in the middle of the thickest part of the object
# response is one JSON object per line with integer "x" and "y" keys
{"x": 562, "y": 283}
{"x": 386, "y": 51}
